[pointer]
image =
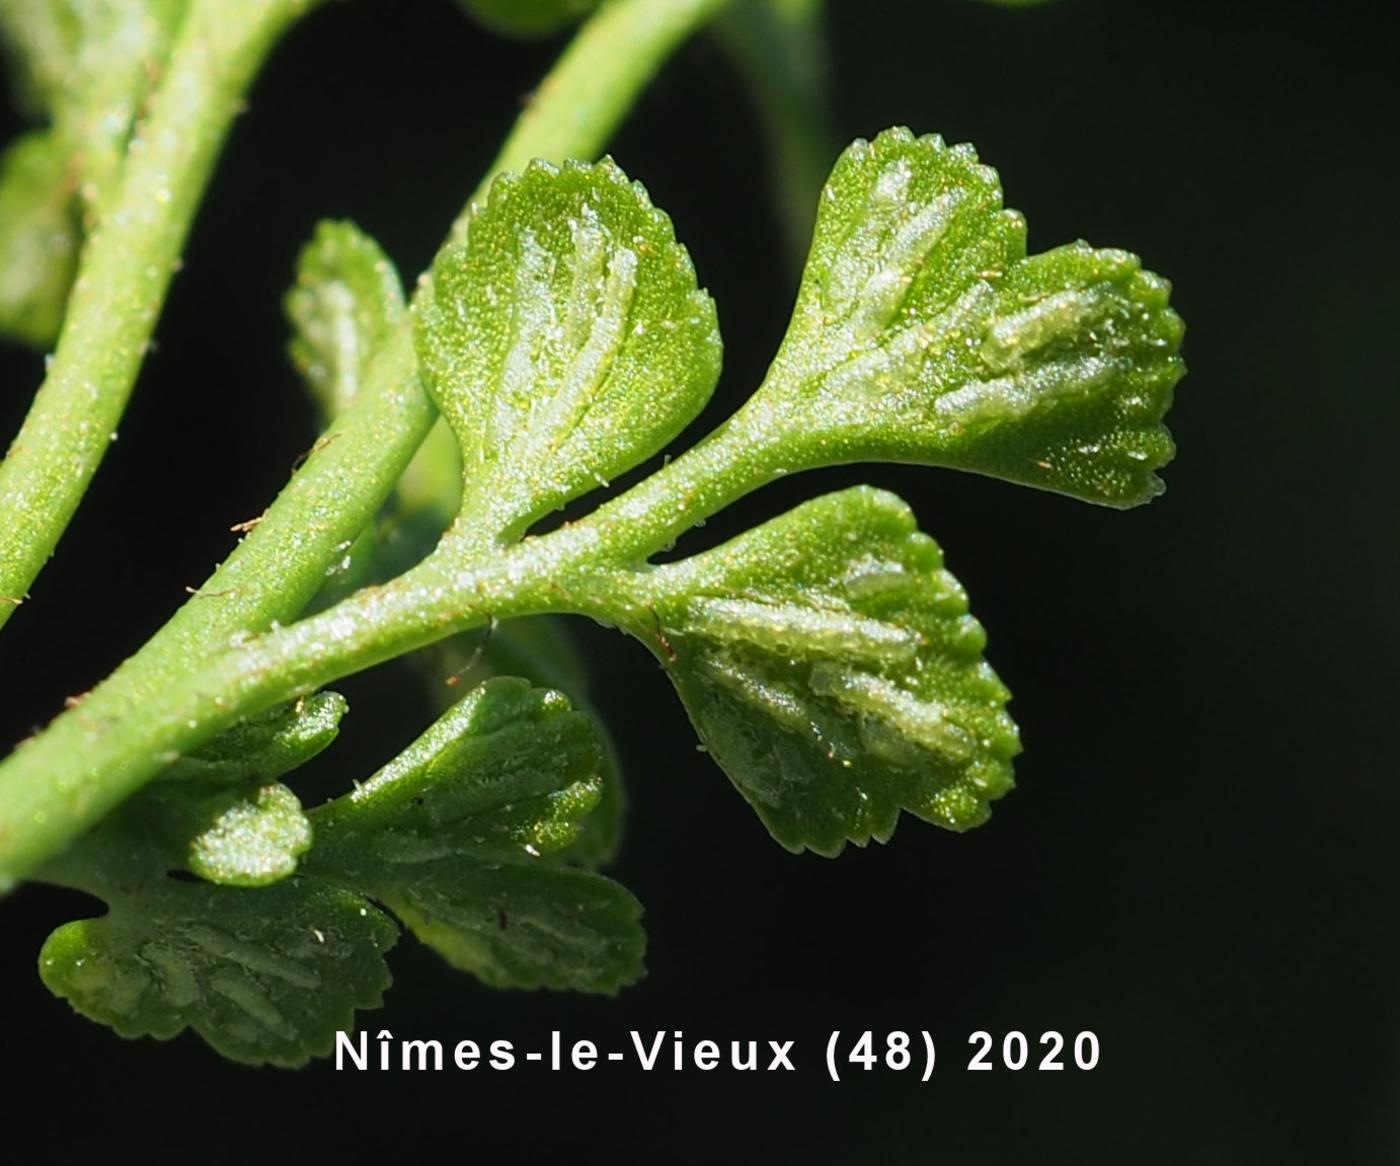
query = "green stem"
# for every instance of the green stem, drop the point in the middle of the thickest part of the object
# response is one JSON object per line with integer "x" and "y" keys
{"x": 58, "y": 784}
{"x": 123, "y": 277}
{"x": 572, "y": 115}
{"x": 159, "y": 703}
{"x": 52, "y": 781}
{"x": 736, "y": 459}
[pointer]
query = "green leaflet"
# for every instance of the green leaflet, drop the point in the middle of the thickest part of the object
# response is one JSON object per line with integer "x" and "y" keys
{"x": 456, "y": 835}
{"x": 507, "y": 772}
{"x": 922, "y": 333}
{"x": 265, "y": 746}
{"x": 265, "y": 976}
{"x": 264, "y": 979}
{"x": 247, "y": 835}
{"x": 346, "y": 301}
{"x": 515, "y": 926}
{"x": 39, "y": 237}
{"x": 826, "y": 658}
{"x": 463, "y": 836}
{"x": 565, "y": 341}
{"x": 830, "y": 666}
{"x": 526, "y": 18}
{"x": 839, "y": 684}
{"x": 218, "y": 813}
{"x": 542, "y": 650}
{"x": 238, "y": 837}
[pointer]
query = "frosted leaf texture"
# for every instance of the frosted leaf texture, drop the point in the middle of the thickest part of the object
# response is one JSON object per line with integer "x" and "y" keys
{"x": 923, "y": 333}
{"x": 346, "y": 301}
{"x": 265, "y": 746}
{"x": 265, "y": 976}
{"x": 565, "y": 341}
{"x": 831, "y": 668}
{"x": 463, "y": 835}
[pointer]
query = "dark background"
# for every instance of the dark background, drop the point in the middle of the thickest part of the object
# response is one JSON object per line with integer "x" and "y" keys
{"x": 1199, "y": 864}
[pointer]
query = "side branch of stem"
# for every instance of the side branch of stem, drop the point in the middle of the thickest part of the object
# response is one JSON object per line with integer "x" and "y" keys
{"x": 203, "y": 671}
{"x": 123, "y": 276}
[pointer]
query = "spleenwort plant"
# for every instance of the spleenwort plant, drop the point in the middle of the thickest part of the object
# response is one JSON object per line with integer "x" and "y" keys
{"x": 827, "y": 659}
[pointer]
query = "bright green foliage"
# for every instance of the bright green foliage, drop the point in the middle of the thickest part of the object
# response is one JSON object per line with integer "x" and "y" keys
{"x": 347, "y": 300}
{"x": 458, "y": 833}
{"x": 245, "y": 838}
{"x": 565, "y": 341}
{"x": 235, "y": 966}
{"x": 831, "y": 668}
{"x": 826, "y": 658}
{"x": 265, "y": 976}
{"x": 516, "y": 926}
{"x": 508, "y": 771}
{"x": 465, "y": 836}
{"x": 85, "y": 66}
{"x": 542, "y": 650}
{"x": 346, "y": 303}
{"x": 1075, "y": 371}
{"x": 246, "y": 835}
{"x": 923, "y": 333}
{"x": 265, "y": 746}
{"x": 39, "y": 238}
{"x": 529, "y": 17}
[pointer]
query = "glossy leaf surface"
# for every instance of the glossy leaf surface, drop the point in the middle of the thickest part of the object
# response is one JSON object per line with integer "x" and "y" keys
{"x": 923, "y": 333}
{"x": 456, "y": 836}
{"x": 265, "y": 976}
{"x": 831, "y": 668}
{"x": 346, "y": 301}
{"x": 264, "y": 746}
{"x": 565, "y": 341}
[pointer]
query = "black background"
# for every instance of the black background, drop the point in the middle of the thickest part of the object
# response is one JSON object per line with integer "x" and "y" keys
{"x": 1199, "y": 864}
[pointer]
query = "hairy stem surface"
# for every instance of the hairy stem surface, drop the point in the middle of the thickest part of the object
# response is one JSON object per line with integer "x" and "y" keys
{"x": 160, "y": 703}
{"x": 123, "y": 277}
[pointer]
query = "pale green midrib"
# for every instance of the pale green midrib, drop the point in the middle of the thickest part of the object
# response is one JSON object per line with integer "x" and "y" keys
{"x": 123, "y": 277}
{"x": 95, "y": 755}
